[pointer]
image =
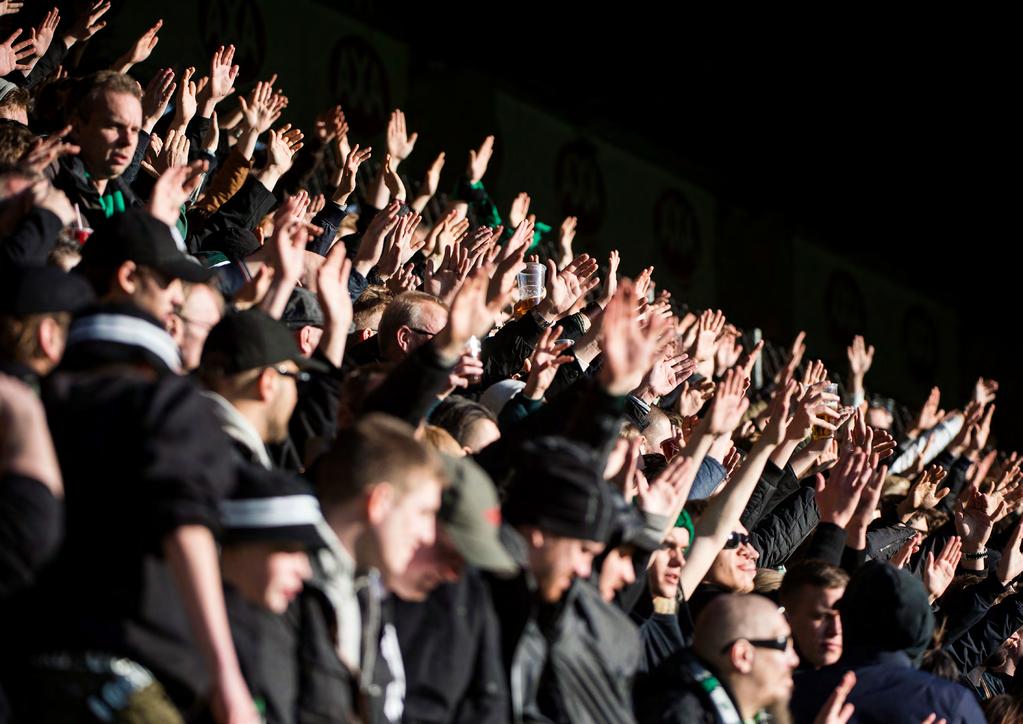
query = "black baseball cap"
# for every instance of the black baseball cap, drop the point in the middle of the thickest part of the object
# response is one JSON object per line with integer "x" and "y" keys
{"x": 249, "y": 340}
{"x": 303, "y": 310}
{"x": 42, "y": 290}
{"x": 139, "y": 237}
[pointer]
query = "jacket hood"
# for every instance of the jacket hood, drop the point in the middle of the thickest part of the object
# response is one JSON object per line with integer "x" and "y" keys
{"x": 886, "y": 609}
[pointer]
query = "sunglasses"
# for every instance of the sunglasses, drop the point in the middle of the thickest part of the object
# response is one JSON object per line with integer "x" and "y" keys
{"x": 779, "y": 644}
{"x": 298, "y": 376}
{"x": 736, "y": 539}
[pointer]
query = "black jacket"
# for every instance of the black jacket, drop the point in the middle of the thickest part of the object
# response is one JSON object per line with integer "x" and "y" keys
{"x": 72, "y": 179}
{"x": 682, "y": 690}
{"x": 450, "y": 647}
{"x": 573, "y": 661}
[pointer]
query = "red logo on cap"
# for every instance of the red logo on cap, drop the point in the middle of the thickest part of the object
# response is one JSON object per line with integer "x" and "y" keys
{"x": 493, "y": 516}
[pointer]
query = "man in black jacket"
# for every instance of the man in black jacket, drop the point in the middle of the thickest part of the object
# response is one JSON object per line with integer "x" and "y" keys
{"x": 447, "y": 627}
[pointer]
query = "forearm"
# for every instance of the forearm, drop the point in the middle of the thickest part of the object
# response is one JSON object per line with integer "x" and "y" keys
{"x": 783, "y": 453}
{"x": 191, "y": 553}
{"x": 276, "y": 299}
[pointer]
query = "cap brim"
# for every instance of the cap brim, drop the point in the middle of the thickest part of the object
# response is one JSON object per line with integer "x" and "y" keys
{"x": 481, "y": 548}
{"x": 185, "y": 269}
{"x": 307, "y": 364}
{"x": 304, "y": 534}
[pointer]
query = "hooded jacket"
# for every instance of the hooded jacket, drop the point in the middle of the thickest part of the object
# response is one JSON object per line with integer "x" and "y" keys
{"x": 887, "y": 625}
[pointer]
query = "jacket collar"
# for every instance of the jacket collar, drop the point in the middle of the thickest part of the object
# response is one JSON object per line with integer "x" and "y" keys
{"x": 239, "y": 429}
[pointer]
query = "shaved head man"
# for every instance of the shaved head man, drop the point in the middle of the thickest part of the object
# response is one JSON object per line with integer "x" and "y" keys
{"x": 741, "y": 664}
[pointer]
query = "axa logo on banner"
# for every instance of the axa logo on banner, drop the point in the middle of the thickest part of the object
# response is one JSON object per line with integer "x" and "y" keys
{"x": 359, "y": 82}
{"x": 677, "y": 234}
{"x": 239, "y": 22}
{"x": 580, "y": 185}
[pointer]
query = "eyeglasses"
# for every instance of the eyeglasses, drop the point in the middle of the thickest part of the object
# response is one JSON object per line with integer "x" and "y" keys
{"x": 298, "y": 376}
{"x": 423, "y": 332}
{"x": 779, "y": 644}
{"x": 736, "y": 539}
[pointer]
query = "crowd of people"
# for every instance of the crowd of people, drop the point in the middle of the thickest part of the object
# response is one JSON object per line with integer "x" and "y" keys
{"x": 288, "y": 437}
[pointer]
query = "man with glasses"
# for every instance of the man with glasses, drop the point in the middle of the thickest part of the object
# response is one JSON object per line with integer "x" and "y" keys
{"x": 739, "y": 667}
{"x": 251, "y": 365}
{"x": 410, "y": 321}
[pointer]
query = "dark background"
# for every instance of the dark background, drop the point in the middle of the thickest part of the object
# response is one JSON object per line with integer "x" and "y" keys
{"x": 888, "y": 140}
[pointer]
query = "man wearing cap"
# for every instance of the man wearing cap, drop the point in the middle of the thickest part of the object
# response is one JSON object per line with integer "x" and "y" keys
{"x": 271, "y": 524}
{"x": 557, "y": 631}
{"x": 447, "y": 626}
{"x": 133, "y": 258}
{"x": 251, "y": 365}
{"x": 36, "y": 304}
{"x": 304, "y": 317}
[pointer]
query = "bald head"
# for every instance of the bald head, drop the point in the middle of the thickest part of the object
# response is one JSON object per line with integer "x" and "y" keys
{"x": 747, "y": 640}
{"x": 734, "y": 616}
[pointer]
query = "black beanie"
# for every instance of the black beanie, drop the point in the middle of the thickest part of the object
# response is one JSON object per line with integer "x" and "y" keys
{"x": 557, "y": 486}
{"x": 886, "y": 609}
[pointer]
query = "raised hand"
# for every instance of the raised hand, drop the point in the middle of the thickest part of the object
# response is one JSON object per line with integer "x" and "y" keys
{"x": 924, "y": 494}
{"x": 906, "y": 551}
{"x": 330, "y": 124}
{"x": 156, "y": 97}
{"x": 87, "y": 24}
{"x": 861, "y": 357}
{"x": 629, "y": 348}
{"x": 984, "y": 391}
{"x": 694, "y": 396}
{"x": 729, "y": 349}
{"x": 795, "y": 357}
{"x": 939, "y": 572}
{"x": 172, "y": 189}
{"x": 666, "y": 494}
{"x": 929, "y": 414}
{"x": 399, "y": 142}
{"x": 431, "y": 182}
{"x": 469, "y": 316}
{"x": 1010, "y": 565}
{"x": 519, "y": 209}
{"x": 750, "y": 359}
{"x": 140, "y": 51}
{"x": 836, "y": 710}
{"x": 777, "y": 426}
{"x": 12, "y": 54}
{"x": 444, "y": 281}
{"x": 643, "y": 282}
{"x": 43, "y": 35}
{"x": 45, "y": 151}
{"x": 9, "y": 7}
{"x": 282, "y": 147}
{"x": 174, "y": 152}
{"x": 543, "y": 364}
{"x": 332, "y": 291}
{"x": 404, "y": 280}
{"x": 974, "y": 522}
{"x": 566, "y": 235}
{"x": 668, "y": 372}
{"x": 372, "y": 246}
{"x": 262, "y": 108}
{"x": 402, "y": 246}
{"x": 815, "y": 408}
{"x": 392, "y": 180}
{"x": 710, "y": 327}
{"x": 479, "y": 160}
{"x": 611, "y": 280}
{"x": 186, "y": 104}
{"x": 864, "y": 513}
{"x": 729, "y": 405}
{"x": 839, "y": 496}
{"x": 223, "y": 74}
{"x": 568, "y": 286}
{"x": 349, "y": 172}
